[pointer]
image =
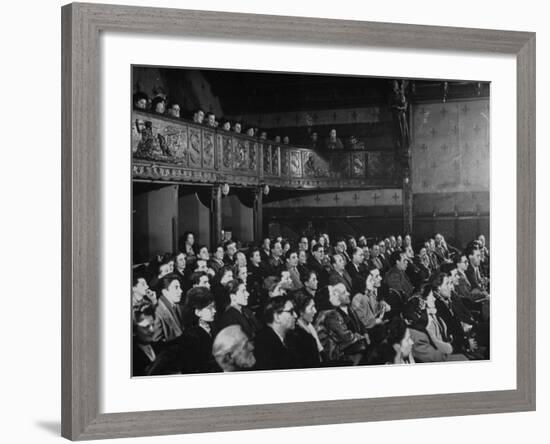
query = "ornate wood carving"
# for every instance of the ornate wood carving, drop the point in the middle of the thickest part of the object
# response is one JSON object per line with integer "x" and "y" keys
{"x": 208, "y": 150}
{"x": 180, "y": 151}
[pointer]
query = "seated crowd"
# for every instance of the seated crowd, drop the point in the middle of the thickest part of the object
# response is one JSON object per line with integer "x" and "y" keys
{"x": 274, "y": 306}
{"x": 162, "y": 106}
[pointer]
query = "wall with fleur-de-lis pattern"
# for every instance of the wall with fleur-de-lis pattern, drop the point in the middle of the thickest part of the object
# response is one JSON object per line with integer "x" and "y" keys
{"x": 451, "y": 169}
{"x": 451, "y": 147}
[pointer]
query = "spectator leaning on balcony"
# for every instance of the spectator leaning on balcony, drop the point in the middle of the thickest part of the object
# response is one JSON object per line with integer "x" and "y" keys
{"x": 237, "y": 127}
{"x": 198, "y": 116}
{"x": 174, "y": 110}
{"x": 333, "y": 142}
{"x": 210, "y": 120}
{"x": 158, "y": 105}
{"x": 226, "y": 125}
{"x": 286, "y": 140}
{"x": 140, "y": 100}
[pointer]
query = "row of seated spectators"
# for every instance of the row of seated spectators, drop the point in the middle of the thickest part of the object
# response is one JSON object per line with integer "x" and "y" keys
{"x": 279, "y": 307}
{"x": 159, "y": 105}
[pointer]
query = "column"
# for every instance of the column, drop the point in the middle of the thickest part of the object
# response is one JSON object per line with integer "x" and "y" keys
{"x": 216, "y": 215}
{"x": 258, "y": 214}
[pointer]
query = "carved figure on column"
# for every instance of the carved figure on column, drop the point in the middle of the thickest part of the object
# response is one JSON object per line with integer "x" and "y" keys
{"x": 399, "y": 107}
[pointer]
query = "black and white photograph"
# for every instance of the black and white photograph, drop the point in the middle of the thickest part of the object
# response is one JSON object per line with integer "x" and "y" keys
{"x": 290, "y": 221}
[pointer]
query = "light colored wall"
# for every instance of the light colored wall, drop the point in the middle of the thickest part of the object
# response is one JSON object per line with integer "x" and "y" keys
{"x": 162, "y": 212}
{"x": 194, "y": 216}
{"x": 239, "y": 218}
{"x": 451, "y": 147}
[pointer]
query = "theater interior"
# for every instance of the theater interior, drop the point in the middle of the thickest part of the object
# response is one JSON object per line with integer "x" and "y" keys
{"x": 419, "y": 169}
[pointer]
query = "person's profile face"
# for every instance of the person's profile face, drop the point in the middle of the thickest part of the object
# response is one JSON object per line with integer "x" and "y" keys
{"x": 204, "y": 282}
{"x": 277, "y": 249}
{"x": 375, "y": 278}
{"x": 241, "y": 259}
{"x": 256, "y": 258}
{"x": 243, "y": 356}
{"x": 144, "y": 329}
{"x": 141, "y": 287}
{"x": 312, "y": 283}
{"x": 319, "y": 254}
{"x": 287, "y": 317}
{"x": 228, "y": 276}
{"x": 180, "y": 261}
{"x": 309, "y": 312}
{"x": 241, "y": 296}
{"x": 200, "y": 116}
{"x": 173, "y": 292}
{"x": 231, "y": 249}
{"x": 207, "y": 313}
{"x": 293, "y": 260}
{"x": 141, "y": 104}
{"x": 204, "y": 254}
{"x": 174, "y": 111}
{"x": 160, "y": 108}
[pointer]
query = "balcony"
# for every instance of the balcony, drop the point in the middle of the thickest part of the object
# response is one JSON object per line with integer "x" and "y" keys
{"x": 174, "y": 150}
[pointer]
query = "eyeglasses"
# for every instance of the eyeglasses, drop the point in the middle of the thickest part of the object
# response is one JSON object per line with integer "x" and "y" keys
{"x": 291, "y": 311}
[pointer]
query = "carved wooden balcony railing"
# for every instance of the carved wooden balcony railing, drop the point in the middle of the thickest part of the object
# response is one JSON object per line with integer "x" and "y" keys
{"x": 166, "y": 149}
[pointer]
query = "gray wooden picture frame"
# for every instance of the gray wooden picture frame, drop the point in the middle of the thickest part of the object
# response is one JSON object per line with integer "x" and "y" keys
{"x": 81, "y": 253}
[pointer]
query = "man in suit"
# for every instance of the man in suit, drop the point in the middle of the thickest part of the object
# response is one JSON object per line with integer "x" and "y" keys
{"x": 265, "y": 251}
{"x": 375, "y": 258}
{"x": 339, "y": 275}
{"x": 230, "y": 251}
{"x": 442, "y": 289}
{"x": 315, "y": 263}
{"x": 473, "y": 272}
{"x": 396, "y": 278}
{"x": 270, "y": 349}
{"x": 473, "y": 298}
{"x": 275, "y": 263}
{"x": 357, "y": 271}
{"x": 384, "y": 256}
{"x": 168, "y": 326}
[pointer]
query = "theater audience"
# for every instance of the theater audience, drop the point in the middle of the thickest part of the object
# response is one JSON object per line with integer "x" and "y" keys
{"x": 309, "y": 307}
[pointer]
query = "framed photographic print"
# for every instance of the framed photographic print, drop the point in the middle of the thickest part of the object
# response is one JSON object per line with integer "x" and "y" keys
{"x": 299, "y": 215}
